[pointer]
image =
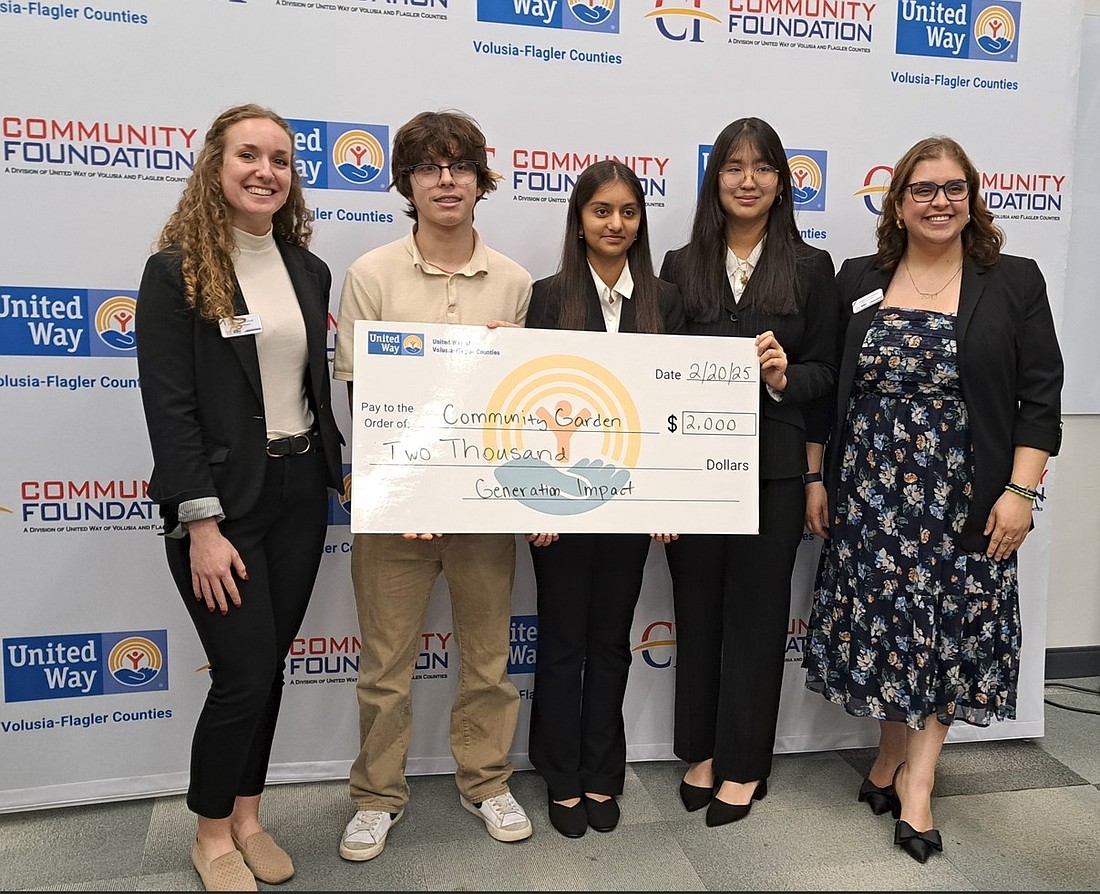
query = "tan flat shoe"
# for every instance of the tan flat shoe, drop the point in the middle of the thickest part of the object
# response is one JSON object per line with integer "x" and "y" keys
{"x": 268, "y": 862}
{"x": 225, "y": 873}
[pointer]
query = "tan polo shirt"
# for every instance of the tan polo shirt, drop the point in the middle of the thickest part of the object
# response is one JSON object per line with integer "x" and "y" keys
{"x": 394, "y": 283}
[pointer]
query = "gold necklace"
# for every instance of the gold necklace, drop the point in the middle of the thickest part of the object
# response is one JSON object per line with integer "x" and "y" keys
{"x": 930, "y": 296}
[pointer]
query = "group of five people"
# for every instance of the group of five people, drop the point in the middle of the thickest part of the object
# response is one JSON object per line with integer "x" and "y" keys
{"x": 908, "y": 406}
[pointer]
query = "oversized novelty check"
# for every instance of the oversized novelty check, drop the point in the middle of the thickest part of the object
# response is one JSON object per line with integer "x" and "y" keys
{"x": 462, "y": 429}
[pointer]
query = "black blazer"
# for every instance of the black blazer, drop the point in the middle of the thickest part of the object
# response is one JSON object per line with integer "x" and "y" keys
{"x": 809, "y": 339}
{"x": 546, "y": 302}
{"x": 1010, "y": 368}
{"x": 203, "y": 401}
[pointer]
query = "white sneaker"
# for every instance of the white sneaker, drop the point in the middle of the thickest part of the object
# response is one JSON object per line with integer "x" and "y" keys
{"x": 365, "y": 836}
{"x": 504, "y": 818}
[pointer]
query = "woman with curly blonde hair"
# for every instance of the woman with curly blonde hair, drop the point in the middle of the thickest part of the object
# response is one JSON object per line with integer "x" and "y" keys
{"x": 232, "y": 353}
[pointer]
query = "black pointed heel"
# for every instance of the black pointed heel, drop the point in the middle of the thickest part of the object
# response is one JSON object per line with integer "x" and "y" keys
{"x": 695, "y": 797}
{"x": 719, "y": 813}
{"x": 918, "y": 845}
{"x": 881, "y": 799}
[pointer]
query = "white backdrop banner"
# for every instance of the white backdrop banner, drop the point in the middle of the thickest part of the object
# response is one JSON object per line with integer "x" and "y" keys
{"x": 103, "y": 109}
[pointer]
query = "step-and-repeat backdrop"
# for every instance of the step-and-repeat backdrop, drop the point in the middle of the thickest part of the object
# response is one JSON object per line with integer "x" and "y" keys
{"x": 104, "y": 106}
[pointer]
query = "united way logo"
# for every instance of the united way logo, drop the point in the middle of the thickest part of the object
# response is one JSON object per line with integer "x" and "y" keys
{"x": 808, "y": 170}
{"x": 333, "y": 155}
{"x": 135, "y": 661}
{"x": 681, "y": 20}
{"x": 963, "y": 29}
{"x": 85, "y": 664}
{"x": 114, "y": 321}
{"x": 406, "y": 344}
{"x": 567, "y": 15}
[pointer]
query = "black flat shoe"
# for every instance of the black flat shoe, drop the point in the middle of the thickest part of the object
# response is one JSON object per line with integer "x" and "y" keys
{"x": 719, "y": 812}
{"x": 572, "y": 822}
{"x": 918, "y": 845}
{"x": 880, "y": 800}
{"x": 695, "y": 797}
{"x": 603, "y": 816}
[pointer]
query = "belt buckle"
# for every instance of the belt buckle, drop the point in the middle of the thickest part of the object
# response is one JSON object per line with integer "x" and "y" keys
{"x": 299, "y": 441}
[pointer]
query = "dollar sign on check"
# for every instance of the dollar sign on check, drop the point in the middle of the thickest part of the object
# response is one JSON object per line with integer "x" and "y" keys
{"x": 672, "y": 422}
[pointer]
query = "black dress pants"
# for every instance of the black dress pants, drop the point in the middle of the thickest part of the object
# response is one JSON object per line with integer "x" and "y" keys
{"x": 280, "y": 541}
{"x": 732, "y": 598}
{"x": 587, "y": 588}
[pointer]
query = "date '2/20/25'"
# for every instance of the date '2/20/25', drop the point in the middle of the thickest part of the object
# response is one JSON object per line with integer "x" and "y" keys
{"x": 711, "y": 371}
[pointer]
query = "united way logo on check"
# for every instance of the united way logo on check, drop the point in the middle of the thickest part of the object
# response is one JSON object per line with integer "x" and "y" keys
{"x": 545, "y": 471}
{"x": 405, "y": 344}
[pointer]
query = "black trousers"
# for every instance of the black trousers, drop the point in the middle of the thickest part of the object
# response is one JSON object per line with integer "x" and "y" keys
{"x": 587, "y": 588}
{"x": 281, "y": 541}
{"x": 732, "y": 598}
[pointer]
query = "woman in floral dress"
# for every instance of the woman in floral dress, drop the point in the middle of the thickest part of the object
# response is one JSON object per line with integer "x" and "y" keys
{"x": 948, "y": 408}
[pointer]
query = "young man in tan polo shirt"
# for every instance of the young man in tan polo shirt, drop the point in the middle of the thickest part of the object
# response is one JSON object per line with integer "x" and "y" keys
{"x": 441, "y": 272}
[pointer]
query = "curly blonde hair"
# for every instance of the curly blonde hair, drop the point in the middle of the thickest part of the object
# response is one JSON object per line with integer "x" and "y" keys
{"x": 200, "y": 227}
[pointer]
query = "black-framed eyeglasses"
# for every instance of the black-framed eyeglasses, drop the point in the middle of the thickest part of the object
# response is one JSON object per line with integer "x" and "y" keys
{"x": 924, "y": 191}
{"x": 463, "y": 173}
{"x": 734, "y": 175}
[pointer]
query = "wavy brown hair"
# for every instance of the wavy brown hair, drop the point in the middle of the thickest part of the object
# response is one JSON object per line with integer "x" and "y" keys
{"x": 446, "y": 134}
{"x": 982, "y": 239}
{"x": 200, "y": 227}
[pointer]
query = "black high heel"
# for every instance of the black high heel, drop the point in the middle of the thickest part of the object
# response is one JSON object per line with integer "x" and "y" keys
{"x": 719, "y": 812}
{"x": 879, "y": 798}
{"x": 918, "y": 845}
{"x": 695, "y": 797}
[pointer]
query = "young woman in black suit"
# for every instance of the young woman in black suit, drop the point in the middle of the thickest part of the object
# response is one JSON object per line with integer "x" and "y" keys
{"x": 747, "y": 272}
{"x": 231, "y": 348}
{"x": 588, "y": 584}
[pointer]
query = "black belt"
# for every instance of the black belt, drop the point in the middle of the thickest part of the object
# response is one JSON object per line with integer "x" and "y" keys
{"x": 292, "y": 445}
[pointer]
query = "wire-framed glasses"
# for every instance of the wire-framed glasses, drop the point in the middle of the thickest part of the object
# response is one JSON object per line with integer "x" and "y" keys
{"x": 734, "y": 175}
{"x": 924, "y": 191}
{"x": 463, "y": 173}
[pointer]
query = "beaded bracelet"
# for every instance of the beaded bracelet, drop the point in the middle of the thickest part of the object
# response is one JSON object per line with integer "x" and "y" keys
{"x": 1021, "y": 491}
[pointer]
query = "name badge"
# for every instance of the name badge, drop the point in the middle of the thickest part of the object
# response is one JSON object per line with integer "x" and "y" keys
{"x": 868, "y": 300}
{"x": 246, "y": 324}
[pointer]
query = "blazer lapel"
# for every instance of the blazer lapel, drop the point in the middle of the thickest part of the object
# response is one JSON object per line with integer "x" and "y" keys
{"x": 595, "y": 311}
{"x": 970, "y": 292}
{"x": 245, "y": 346}
{"x": 307, "y": 290}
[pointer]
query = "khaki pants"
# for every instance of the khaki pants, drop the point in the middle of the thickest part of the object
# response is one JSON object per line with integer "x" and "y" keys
{"x": 393, "y": 580}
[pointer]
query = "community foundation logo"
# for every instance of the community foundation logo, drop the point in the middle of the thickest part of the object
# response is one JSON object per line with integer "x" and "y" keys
{"x": 549, "y": 173}
{"x": 682, "y": 21}
{"x": 657, "y": 646}
{"x": 85, "y": 664}
{"x": 876, "y": 182}
{"x": 334, "y": 155}
{"x": 959, "y": 29}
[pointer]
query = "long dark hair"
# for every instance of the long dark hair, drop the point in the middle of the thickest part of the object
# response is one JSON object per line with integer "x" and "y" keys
{"x": 574, "y": 279}
{"x": 982, "y": 239}
{"x": 774, "y": 285}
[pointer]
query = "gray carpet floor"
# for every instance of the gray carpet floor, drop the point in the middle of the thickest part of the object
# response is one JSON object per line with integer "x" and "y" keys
{"x": 1020, "y": 815}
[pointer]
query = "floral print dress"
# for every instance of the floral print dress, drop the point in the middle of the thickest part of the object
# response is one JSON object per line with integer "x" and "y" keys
{"x": 904, "y": 624}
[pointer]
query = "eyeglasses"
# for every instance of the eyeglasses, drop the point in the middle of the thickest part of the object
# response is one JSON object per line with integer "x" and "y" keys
{"x": 924, "y": 191}
{"x": 734, "y": 175}
{"x": 463, "y": 173}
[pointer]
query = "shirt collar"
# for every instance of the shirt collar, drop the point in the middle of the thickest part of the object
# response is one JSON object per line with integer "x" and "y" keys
{"x": 623, "y": 287}
{"x": 479, "y": 260}
{"x": 733, "y": 263}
